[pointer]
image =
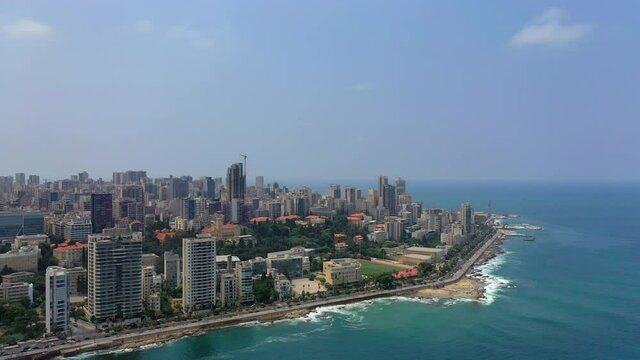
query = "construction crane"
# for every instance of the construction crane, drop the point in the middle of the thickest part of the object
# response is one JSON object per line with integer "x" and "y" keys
{"x": 244, "y": 156}
{"x": 244, "y": 170}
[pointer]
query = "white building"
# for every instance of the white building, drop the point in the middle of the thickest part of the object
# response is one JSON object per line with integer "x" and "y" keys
{"x": 57, "y": 300}
{"x": 199, "y": 273}
{"x": 78, "y": 230}
{"x": 244, "y": 274}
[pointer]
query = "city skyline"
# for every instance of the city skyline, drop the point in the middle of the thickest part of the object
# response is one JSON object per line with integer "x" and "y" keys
{"x": 361, "y": 88}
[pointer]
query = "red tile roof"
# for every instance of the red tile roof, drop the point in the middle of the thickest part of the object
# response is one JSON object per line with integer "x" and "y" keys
{"x": 260, "y": 219}
{"x": 288, "y": 217}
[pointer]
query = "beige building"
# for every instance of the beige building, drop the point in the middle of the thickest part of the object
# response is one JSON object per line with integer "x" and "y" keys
{"x": 342, "y": 271}
{"x": 77, "y": 281}
{"x": 30, "y": 240}
{"x": 16, "y": 277}
{"x": 70, "y": 256}
{"x": 23, "y": 259}
{"x": 16, "y": 292}
{"x": 228, "y": 289}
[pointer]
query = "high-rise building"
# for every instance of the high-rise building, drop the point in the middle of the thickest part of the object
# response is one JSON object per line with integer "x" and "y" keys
{"x": 382, "y": 182}
{"x": 209, "y": 187}
{"x": 334, "y": 191}
{"x": 172, "y": 269}
{"x": 101, "y": 212}
{"x": 132, "y": 191}
{"x": 228, "y": 290}
{"x": 244, "y": 274}
{"x": 389, "y": 198}
{"x": 83, "y": 176}
{"x": 33, "y": 180}
{"x": 20, "y": 179}
{"x": 57, "y": 299}
{"x": 401, "y": 185}
{"x": 236, "y": 182}
{"x": 178, "y": 188}
{"x": 199, "y": 273}
{"x": 259, "y": 182}
{"x": 188, "y": 208}
{"x": 115, "y": 277}
{"x": 466, "y": 219}
{"x": 130, "y": 176}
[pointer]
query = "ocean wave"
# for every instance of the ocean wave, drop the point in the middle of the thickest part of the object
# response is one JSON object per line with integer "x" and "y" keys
{"x": 493, "y": 284}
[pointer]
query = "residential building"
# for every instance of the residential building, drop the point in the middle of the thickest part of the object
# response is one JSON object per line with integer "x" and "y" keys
{"x": 77, "y": 281}
{"x": 228, "y": 289}
{"x": 70, "y": 256}
{"x": 282, "y": 285}
{"x": 342, "y": 271}
{"x": 57, "y": 299}
{"x": 466, "y": 219}
{"x": 394, "y": 227}
{"x": 115, "y": 277}
{"x": 172, "y": 269}
{"x": 244, "y": 274}
{"x": 199, "y": 273}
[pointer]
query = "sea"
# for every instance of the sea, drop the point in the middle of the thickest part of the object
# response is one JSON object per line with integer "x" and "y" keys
{"x": 573, "y": 293}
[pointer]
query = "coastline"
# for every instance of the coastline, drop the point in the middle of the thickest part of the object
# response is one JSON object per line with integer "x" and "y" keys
{"x": 457, "y": 286}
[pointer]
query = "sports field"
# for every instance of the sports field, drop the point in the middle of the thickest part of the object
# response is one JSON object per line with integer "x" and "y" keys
{"x": 372, "y": 269}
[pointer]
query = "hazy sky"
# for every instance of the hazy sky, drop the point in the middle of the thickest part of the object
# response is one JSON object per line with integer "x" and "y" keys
{"x": 322, "y": 89}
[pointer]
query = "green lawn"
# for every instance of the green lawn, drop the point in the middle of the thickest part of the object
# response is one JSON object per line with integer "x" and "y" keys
{"x": 372, "y": 269}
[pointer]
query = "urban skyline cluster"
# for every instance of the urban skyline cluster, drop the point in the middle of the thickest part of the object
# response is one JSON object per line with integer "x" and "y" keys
{"x": 132, "y": 248}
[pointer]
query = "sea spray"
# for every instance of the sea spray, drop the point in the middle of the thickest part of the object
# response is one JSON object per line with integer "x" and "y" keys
{"x": 493, "y": 284}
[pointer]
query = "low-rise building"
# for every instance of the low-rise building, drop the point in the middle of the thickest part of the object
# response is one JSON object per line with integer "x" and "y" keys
{"x": 30, "y": 240}
{"x": 342, "y": 271}
{"x": 16, "y": 292}
{"x": 149, "y": 259}
{"x": 290, "y": 265}
{"x": 282, "y": 285}
{"x": 23, "y": 259}
{"x": 17, "y": 277}
{"x": 70, "y": 256}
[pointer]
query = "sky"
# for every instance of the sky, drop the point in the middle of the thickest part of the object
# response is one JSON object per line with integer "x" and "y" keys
{"x": 322, "y": 89}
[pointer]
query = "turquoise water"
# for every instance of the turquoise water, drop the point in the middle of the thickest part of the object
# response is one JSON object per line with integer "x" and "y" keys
{"x": 574, "y": 293}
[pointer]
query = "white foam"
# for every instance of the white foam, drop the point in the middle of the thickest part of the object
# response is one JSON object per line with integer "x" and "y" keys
{"x": 493, "y": 284}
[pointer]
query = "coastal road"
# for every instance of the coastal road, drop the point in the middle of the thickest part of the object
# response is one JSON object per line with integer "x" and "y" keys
{"x": 71, "y": 348}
